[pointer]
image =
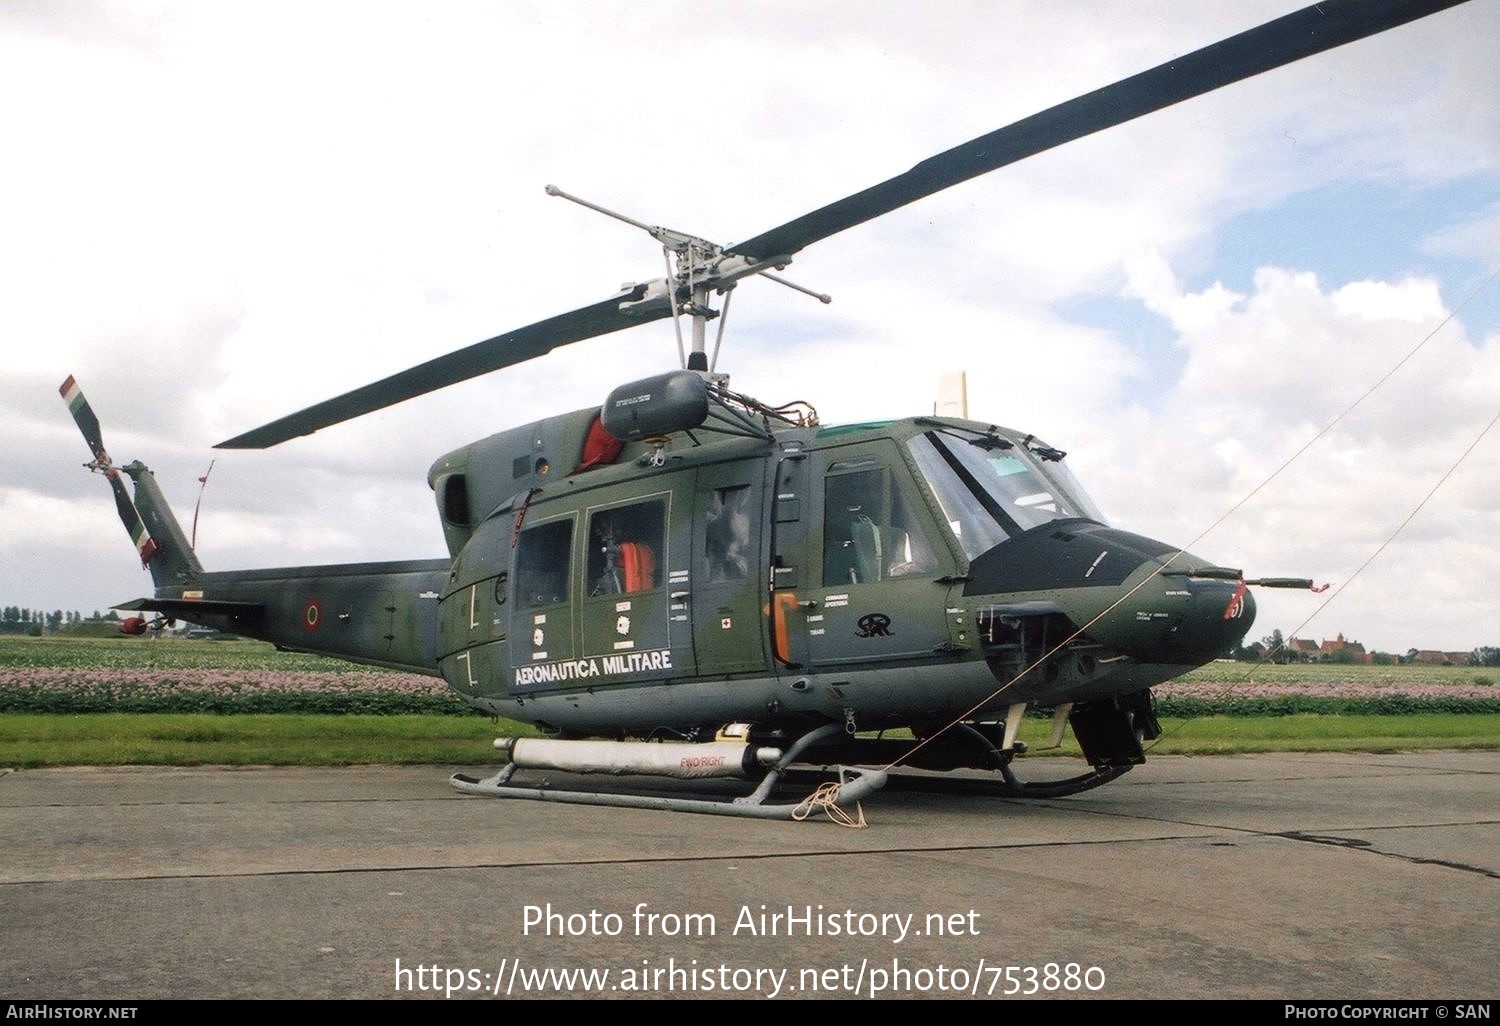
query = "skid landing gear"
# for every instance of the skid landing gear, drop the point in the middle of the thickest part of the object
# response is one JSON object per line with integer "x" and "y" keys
{"x": 1008, "y": 786}
{"x": 1109, "y": 743}
{"x": 1109, "y": 732}
{"x": 682, "y": 761}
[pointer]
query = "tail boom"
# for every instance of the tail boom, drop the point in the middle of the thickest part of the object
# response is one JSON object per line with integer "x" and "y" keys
{"x": 384, "y": 614}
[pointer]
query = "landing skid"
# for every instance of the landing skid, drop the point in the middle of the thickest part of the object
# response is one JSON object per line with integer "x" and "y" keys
{"x": 1009, "y": 786}
{"x": 851, "y": 787}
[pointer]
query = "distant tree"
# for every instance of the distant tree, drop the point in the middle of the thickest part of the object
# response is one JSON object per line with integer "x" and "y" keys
{"x": 13, "y": 614}
{"x": 54, "y": 620}
{"x": 1382, "y": 659}
{"x": 1248, "y": 653}
{"x": 1276, "y": 648}
{"x": 1486, "y": 656}
{"x": 1410, "y": 657}
{"x": 96, "y": 616}
{"x": 1342, "y": 657}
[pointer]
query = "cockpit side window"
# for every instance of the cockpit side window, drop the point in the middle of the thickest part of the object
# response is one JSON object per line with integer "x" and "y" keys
{"x": 726, "y": 534}
{"x": 869, "y": 533}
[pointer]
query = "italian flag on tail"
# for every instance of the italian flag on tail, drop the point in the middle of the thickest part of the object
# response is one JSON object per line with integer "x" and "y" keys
{"x": 72, "y": 395}
{"x": 144, "y": 543}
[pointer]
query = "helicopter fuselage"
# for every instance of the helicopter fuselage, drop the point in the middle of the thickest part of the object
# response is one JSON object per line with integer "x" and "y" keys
{"x": 885, "y": 574}
{"x": 903, "y": 573}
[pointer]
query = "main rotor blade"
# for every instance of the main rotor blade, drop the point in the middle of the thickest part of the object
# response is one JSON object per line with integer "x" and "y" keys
{"x": 1323, "y": 26}
{"x": 1303, "y": 33}
{"x": 481, "y": 358}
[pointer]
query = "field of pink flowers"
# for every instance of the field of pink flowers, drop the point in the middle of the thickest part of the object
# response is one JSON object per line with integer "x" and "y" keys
{"x": 1310, "y": 687}
{"x": 177, "y": 675}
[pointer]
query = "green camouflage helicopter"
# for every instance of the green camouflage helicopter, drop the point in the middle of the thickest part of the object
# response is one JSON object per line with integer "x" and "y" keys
{"x": 689, "y": 583}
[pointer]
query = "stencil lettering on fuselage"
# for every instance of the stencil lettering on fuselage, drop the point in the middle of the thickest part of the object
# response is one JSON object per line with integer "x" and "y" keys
{"x": 564, "y": 671}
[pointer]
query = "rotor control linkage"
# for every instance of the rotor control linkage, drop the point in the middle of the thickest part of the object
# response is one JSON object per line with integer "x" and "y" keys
{"x": 701, "y": 264}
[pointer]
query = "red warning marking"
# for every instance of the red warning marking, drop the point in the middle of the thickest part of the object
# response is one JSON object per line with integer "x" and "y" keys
{"x": 1236, "y": 605}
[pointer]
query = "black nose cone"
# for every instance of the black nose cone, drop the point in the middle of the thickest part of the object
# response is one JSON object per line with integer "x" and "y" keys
{"x": 1106, "y": 581}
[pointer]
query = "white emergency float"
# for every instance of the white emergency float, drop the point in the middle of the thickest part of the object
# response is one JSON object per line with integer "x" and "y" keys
{"x": 697, "y": 761}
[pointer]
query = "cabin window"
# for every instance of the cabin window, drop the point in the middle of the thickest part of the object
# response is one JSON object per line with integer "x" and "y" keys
{"x": 627, "y": 548}
{"x": 726, "y": 534}
{"x": 542, "y": 559}
{"x": 869, "y": 533}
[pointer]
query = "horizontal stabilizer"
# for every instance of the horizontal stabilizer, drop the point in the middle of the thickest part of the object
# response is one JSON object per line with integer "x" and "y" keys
{"x": 185, "y": 608}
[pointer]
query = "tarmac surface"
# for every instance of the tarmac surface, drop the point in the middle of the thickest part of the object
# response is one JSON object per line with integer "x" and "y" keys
{"x": 1277, "y": 876}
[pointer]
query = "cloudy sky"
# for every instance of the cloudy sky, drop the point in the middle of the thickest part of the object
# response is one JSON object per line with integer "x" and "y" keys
{"x": 217, "y": 213}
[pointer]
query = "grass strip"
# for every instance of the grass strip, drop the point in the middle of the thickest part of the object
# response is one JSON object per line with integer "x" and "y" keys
{"x": 171, "y": 739}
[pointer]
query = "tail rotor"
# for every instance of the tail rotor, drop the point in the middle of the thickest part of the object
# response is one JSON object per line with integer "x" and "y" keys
{"x": 88, "y": 423}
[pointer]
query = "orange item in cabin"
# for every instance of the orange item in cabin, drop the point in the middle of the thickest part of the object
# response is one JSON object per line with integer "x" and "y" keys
{"x": 638, "y": 563}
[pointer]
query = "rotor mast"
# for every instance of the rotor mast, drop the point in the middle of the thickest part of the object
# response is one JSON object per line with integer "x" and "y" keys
{"x": 695, "y": 268}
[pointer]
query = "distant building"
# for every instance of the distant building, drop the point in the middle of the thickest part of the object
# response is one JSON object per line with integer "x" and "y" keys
{"x": 1342, "y": 650}
{"x": 1352, "y": 651}
{"x": 1302, "y": 649}
{"x": 1432, "y": 657}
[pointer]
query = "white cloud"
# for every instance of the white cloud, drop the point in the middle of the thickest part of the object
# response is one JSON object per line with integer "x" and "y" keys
{"x": 1149, "y": 278}
{"x": 1414, "y": 301}
{"x": 1263, "y": 376}
{"x": 1476, "y": 236}
{"x": 53, "y": 522}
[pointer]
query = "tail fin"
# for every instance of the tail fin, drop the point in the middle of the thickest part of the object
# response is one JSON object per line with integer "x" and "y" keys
{"x": 174, "y": 562}
{"x": 149, "y": 522}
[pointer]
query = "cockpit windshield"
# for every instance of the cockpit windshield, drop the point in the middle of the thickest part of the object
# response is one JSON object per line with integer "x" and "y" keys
{"x": 990, "y": 489}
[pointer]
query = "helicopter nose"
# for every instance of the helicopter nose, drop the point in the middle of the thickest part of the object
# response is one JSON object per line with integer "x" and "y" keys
{"x": 1123, "y": 587}
{"x": 1176, "y": 619}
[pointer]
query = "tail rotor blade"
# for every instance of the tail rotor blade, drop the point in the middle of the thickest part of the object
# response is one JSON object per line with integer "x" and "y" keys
{"x": 131, "y": 518}
{"x": 88, "y": 423}
{"x": 83, "y": 416}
